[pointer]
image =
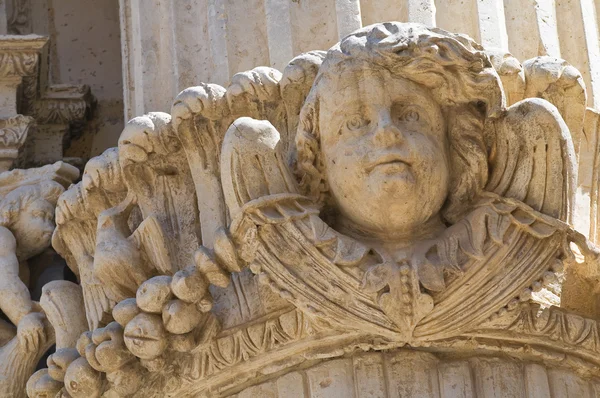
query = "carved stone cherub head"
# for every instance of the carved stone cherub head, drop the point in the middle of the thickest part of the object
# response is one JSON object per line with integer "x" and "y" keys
{"x": 28, "y": 212}
{"x": 391, "y": 135}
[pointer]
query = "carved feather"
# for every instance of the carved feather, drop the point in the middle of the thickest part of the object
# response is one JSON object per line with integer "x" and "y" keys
{"x": 75, "y": 240}
{"x": 97, "y": 304}
{"x": 532, "y": 158}
{"x": 202, "y": 115}
{"x": 149, "y": 238}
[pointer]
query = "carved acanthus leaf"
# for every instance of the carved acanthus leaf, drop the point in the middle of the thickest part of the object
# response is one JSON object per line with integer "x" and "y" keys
{"x": 64, "y": 104}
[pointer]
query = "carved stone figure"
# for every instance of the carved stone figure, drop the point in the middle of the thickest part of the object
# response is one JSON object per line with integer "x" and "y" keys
{"x": 26, "y": 225}
{"x": 382, "y": 197}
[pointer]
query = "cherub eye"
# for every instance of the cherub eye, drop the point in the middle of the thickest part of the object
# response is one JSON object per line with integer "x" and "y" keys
{"x": 410, "y": 116}
{"x": 356, "y": 122}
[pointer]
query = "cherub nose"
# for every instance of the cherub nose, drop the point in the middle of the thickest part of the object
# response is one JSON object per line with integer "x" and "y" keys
{"x": 387, "y": 132}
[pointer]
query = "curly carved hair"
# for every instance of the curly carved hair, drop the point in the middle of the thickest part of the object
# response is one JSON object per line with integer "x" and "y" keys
{"x": 456, "y": 71}
{"x": 20, "y": 198}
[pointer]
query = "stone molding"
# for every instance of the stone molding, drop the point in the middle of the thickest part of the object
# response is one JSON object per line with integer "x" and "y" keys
{"x": 64, "y": 104}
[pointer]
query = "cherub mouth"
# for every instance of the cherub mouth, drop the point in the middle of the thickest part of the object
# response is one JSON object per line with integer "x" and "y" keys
{"x": 388, "y": 160}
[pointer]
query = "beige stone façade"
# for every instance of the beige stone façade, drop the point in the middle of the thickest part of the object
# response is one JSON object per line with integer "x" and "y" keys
{"x": 387, "y": 218}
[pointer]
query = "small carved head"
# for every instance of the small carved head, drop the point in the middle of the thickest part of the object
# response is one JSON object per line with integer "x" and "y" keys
{"x": 28, "y": 212}
{"x": 391, "y": 134}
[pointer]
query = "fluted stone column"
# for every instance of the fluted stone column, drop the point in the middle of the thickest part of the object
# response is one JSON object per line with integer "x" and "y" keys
{"x": 214, "y": 39}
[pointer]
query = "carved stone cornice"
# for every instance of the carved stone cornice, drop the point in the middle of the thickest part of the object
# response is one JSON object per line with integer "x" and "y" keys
{"x": 13, "y": 133}
{"x": 554, "y": 337}
{"x": 20, "y": 55}
{"x": 64, "y": 104}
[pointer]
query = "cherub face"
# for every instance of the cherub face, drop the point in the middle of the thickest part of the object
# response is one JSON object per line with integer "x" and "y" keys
{"x": 385, "y": 152}
{"x": 33, "y": 228}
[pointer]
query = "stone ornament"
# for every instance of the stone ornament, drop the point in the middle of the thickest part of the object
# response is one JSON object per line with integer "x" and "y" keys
{"x": 13, "y": 133}
{"x": 27, "y": 202}
{"x": 378, "y": 196}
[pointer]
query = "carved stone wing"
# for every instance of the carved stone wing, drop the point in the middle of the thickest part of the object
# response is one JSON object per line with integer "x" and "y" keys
{"x": 504, "y": 250}
{"x": 150, "y": 239}
{"x": 75, "y": 239}
{"x": 561, "y": 84}
{"x": 202, "y": 115}
{"x": 252, "y": 164}
{"x": 532, "y": 158}
{"x": 97, "y": 303}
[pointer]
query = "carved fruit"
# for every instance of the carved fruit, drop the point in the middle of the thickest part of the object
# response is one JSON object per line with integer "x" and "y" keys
{"x": 60, "y": 361}
{"x": 225, "y": 251}
{"x": 127, "y": 380}
{"x": 82, "y": 381}
{"x": 154, "y": 294}
{"x": 180, "y": 317}
{"x": 111, "y": 352}
{"x": 125, "y": 311}
{"x": 189, "y": 285}
{"x": 206, "y": 263}
{"x": 41, "y": 385}
{"x": 84, "y": 340}
{"x": 145, "y": 336}
{"x": 183, "y": 342}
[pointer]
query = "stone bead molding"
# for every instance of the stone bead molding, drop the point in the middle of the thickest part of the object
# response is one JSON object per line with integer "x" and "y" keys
{"x": 407, "y": 193}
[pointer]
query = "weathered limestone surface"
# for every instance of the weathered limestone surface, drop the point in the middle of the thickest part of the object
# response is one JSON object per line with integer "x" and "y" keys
{"x": 391, "y": 218}
{"x": 27, "y": 201}
{"x": 211, "y": 40}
